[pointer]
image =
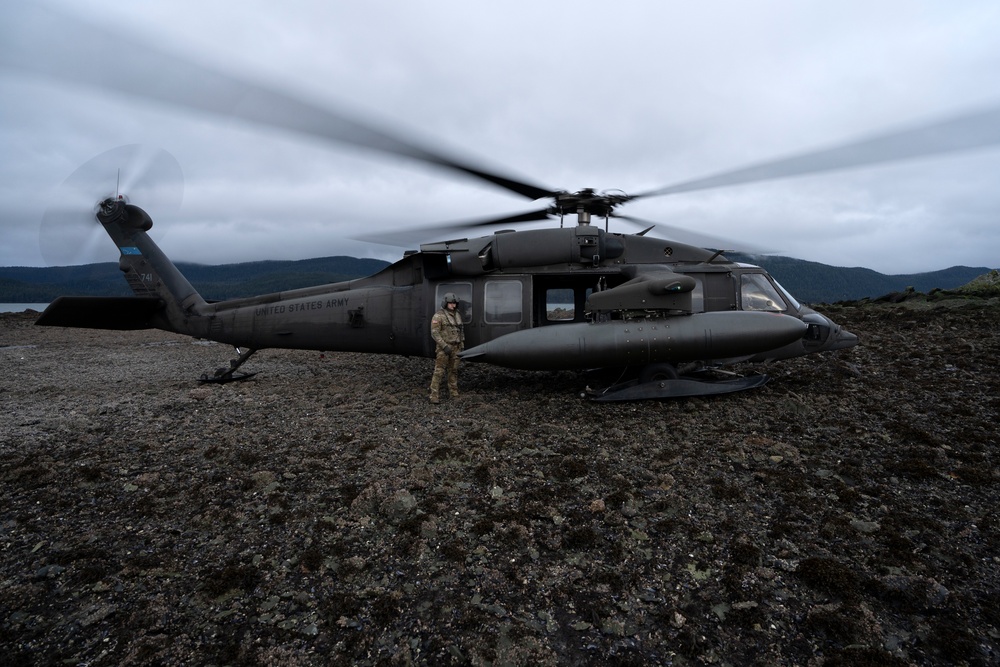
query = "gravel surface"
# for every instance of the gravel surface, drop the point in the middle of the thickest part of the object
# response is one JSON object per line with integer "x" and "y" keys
{"x": 324, "y": 513}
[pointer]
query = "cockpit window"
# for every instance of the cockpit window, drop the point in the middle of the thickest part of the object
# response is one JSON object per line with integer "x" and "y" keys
{"x": 788, "y": 297}
{"x": 758, "y": 293}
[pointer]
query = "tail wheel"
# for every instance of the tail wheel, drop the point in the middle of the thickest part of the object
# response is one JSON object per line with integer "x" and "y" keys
{"x": 658, "y": 373}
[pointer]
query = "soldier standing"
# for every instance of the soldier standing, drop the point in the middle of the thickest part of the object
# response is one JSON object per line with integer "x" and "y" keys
{"x": 448, "y": 332}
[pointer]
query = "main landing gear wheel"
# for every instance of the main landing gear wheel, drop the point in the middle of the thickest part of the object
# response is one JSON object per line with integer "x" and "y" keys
{"x": 658, "y": 373}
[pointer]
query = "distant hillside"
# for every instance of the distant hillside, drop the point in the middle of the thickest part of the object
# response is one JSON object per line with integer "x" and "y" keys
{"x": 810, "y": 282}
{"x": 986, "y": 285}
{"x": 228, "y": 281}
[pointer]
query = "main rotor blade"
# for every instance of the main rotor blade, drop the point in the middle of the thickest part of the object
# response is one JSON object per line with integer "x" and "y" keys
{"x": 529, "y": 216}
{"x": 52, "y": 44}
{"x": 406, "y": 237}
{"x": 960, "y": 133}
{"x": 688, "y": 237}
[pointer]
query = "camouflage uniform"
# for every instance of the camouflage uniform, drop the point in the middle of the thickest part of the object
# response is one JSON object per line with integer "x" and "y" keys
{"x": 448, "y": 332}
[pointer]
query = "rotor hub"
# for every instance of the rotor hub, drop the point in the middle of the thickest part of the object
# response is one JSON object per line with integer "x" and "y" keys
{"x": 112, "y": 209}
{"x": 588, "y": 202}
{"x": 117, "y": 210}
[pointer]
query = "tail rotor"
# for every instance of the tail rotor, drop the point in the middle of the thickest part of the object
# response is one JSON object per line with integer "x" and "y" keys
{"x": 70, "y": 234}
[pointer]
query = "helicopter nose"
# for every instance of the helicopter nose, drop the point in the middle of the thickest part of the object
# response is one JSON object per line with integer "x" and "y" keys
{"x": 841, "y": 338}
{"x": 824, "y": 334}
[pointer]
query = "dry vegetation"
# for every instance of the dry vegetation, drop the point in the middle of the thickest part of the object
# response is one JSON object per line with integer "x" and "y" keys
{"x": 324, "y": 513}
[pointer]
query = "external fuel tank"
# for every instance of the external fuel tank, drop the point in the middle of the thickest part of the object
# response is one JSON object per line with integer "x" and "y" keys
{"x": 697, "y": 337}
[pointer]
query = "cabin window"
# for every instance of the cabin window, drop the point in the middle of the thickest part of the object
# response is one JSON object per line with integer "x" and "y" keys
{"x": 560, "y": 305}
{"x": 758, "y": 293}
{"x": 502, "y": 303}
{"x": 561, "y": 299}
{"x": 464, "y": 293}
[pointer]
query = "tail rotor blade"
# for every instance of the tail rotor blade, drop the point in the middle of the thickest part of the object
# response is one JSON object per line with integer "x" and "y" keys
{"x": 68, "y": 226}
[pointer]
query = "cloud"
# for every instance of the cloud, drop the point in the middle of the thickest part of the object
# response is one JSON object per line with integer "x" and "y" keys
{"x": 565, "y": 95}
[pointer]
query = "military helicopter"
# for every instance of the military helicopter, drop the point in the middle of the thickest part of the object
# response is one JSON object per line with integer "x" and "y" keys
{"x": 672, "y": 317}
{"x": 569, "y": 298}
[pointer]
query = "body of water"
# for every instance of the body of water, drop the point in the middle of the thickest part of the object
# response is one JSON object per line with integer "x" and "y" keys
{"x": 21, "y": 307}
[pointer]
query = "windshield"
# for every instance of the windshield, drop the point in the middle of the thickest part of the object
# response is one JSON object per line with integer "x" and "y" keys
{"x": 757, "y": 293}
{"x": 788, "y": 296}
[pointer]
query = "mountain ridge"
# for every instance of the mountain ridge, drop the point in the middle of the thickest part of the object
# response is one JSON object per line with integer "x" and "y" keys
{"x": 813, "y": 282}
{"x": 214, "y": 282}
{"x": 810, "y": 282}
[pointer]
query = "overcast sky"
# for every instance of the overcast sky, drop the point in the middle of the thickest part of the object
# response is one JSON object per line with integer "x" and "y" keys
{"x": 627, "y": 95}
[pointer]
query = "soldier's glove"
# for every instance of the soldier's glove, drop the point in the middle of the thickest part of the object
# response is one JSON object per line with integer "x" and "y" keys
{"x": 447, "y": 349}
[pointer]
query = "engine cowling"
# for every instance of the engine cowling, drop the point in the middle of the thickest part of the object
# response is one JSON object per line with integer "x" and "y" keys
{"x": 534, "y": 247}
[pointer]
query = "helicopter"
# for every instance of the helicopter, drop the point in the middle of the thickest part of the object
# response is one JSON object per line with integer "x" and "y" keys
{"x": 569, "y": 298}
{"x": 671, "y": 318}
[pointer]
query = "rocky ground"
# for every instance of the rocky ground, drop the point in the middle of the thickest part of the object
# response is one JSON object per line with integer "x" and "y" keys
{"x": 324, "y": 513}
